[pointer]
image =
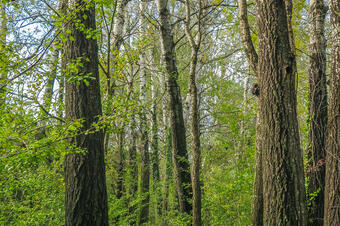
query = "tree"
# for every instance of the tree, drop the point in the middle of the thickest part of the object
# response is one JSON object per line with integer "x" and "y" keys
{"x": 195, "y": 43}
{"x": 251, "y": 54}
{"x": 332, "y": 188}
{"x": 145, "y": 168}
{"x": 179, "y": 153}
{"x": 85, "y": 193}
{"x": 3, "y": 34}
{"x": 317, "y": 112}
{"x": 282, "y": 165}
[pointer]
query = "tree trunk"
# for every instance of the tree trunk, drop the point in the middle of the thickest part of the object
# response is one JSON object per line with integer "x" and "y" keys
{"x": 257, "y": 202}
{"x": 86, "y": 196}
{"x": 3, "y": 67}
{"x": 194, "y": 114}
{"x": 283, "y": 182}
{"x": 317, "y": 113}
{"x": 332, "y": 190}
{"x": 145, "y": 168}
{"x": 179, "y": 153}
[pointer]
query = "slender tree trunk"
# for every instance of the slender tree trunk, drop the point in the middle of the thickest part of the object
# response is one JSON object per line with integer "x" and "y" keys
{"x": 145, "y": 168}
{"x": 180, "y": 156}
{"x": 194, "y": 115}
{"x": 3, "y": 66}
{"x": 283, "y": 182}
{"x": 257, "y": 202}
{"x": 51, "y": 79}
{"x": 167, "y": 176}
{"x": 332, "y": 190}
{"x": 120, "y": 165}
{"x": 317, "y": 113}
{"x": 86, "y": 196}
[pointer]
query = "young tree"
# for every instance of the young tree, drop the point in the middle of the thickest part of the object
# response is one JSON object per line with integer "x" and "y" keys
{"x": 282, "y": 168}
{"x": 3, "y": 34}
{"x": 332, "y": 189}
{"x": 86, "y": 196}
{"x": 251, "y": 54}
{"x": 195, "y": 43}
{"x": 179, "y": 153}
{"x": 145, "y": 167}
{"x": 317, "y": 112}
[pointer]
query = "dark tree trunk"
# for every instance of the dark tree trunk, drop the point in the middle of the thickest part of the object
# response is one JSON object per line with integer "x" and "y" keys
{"x": 332, "y": 190}
{"x": 282, "y": 168}
{"x": 317, "y": 113}
{"x": 179, "y": 153}
{"x": 86, "y": 196}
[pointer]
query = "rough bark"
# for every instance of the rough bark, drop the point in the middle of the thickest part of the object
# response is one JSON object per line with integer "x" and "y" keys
{"x": 194, "y": 115}
{"x": 179, "y": 153}
{"x": 283, "y": 181}
{"x": 86, "y": 196}
{"x": 332, "y": 189}
{"x": 317, "y": 113}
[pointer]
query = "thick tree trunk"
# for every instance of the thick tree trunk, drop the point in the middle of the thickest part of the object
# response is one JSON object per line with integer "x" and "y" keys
{"x": 180, "y": 156}
{"x": 317, "y": 113}
{"x": 283, "y": 182}
{"x": 86, "y": 196}
{"x": 332, "y": 190}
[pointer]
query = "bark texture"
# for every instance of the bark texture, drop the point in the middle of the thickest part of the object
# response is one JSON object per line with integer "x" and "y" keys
{"x": 180, "y": 156}
{"x": 194, "y": 114}
{"x": 86, "y": 196}
{"x": 317, "y": 113}
{"x": 282, "y": 171}
{"x": 332, "y": 190}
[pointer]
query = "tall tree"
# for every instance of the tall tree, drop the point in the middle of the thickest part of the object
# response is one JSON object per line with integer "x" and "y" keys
{"x": 195, "y": 43}
{"x": 3, "y": 61}
{"x": 179, "y": 153}
{"x": 86, "y": 196}
{"x": 317, "y": 112}
{"x": 332, "y": 189}
{"x": 282, "y": 169}
{"x": 251, "y": 54}
{"x": 145, "y": 168}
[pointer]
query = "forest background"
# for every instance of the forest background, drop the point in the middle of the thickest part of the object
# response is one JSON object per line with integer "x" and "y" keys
{"x": 216, "y": 86}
